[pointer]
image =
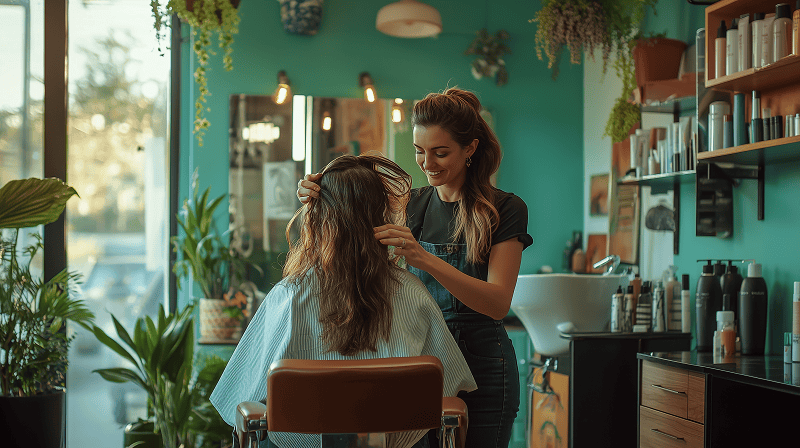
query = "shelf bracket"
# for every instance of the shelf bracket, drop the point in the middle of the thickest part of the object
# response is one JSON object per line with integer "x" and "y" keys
{"x": 715, "y": 196}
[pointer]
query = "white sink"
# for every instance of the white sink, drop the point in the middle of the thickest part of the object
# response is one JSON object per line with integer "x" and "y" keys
{"x": 549, "y": 304}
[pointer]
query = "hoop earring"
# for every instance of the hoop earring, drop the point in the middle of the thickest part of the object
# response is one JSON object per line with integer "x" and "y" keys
{"x": 469, "y": 161}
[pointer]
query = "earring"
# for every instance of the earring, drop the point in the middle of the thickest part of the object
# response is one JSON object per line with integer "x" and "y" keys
{"x": 469, "y": 161}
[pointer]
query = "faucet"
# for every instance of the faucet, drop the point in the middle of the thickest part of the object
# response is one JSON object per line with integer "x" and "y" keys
{"x": 615, "y": 266}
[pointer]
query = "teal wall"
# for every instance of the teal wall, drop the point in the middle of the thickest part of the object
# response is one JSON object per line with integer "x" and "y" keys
{"x": 537, "y": 120}
{"x": 773, "y": 242}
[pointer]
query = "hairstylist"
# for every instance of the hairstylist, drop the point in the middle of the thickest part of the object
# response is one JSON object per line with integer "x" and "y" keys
{"x": 464, "y": 240}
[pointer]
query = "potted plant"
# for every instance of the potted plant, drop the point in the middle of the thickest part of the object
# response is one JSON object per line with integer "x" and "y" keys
{"x": 33, "y": 313}
{"x": 490, "y": 51}
{"x": 584, "y": 26}
{"x": 162, "y": 354}
{"x": 206, "y": 254}
{"x": 205, "y": 17}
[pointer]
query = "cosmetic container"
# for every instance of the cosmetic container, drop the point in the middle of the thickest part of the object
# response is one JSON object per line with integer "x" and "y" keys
{"x": 720, "y": 51}
{"x": 756, "y": 128}
{"x": 796, "y": 323}
{"x": 730, "y": 283}
{"x": 708, "y": 300}
{"x": 777, "y": 127}
{"x": 644, "y": 307}
{"x": 716, "y": 115}
{"x": 755, "y": 29}
{"x": 781, "y": 32}
{"x": 753, "y": 311}
{"x": 672, "y": 296}
{"x": 658, "y": 309}
{"x": 744, "y": 36}
{"x": 787, "y": 347}
{"x": 686, "y": 316}
{"x": 616, "y": 310}
{"x": 796, "y": 29}
{"x": 766, "y": 40}
{"x": 797, "y": 124}
{"x": 628, "y": 308}
{"x": 766, "y": 120}
{"x": 732, "y": 48}
{"x": 738, "y": 120}
{"x": 727, "y": 131}
{"x": 727, "y": 333}
{"x": 636, "y": 285}
{"x": 788, "y": 128}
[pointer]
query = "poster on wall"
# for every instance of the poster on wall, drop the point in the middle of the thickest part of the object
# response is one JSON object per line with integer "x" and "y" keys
{"x": 598, "y": 195}
{"x": 363, "y": 123}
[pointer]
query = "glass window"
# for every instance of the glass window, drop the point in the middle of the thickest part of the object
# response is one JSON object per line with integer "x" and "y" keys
{"x": 117, "y": 229}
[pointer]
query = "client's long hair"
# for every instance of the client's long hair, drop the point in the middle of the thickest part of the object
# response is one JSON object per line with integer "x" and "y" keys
{"x": 337, "y": 242}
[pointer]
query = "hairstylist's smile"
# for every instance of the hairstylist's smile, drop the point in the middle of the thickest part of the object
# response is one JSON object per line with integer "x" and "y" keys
{"x": 433, "y": 173}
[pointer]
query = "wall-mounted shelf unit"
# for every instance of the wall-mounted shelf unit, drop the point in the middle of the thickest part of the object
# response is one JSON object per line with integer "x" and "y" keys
{"x": 778, "y": 85}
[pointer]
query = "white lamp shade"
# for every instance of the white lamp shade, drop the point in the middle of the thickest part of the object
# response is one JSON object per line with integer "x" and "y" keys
{"x": 409, "y": 18}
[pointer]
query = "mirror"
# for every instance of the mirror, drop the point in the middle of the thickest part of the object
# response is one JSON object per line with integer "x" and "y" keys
{"x": 272, "y": 146}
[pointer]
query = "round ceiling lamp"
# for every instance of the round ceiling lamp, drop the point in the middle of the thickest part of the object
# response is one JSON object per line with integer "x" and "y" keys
{"x": 409, "y": 18}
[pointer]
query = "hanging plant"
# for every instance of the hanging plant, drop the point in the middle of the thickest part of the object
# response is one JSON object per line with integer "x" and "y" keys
{"x": 625, "y": 114}
{"x": 586, "y": 25}
{"x": 301, "y": 16}
{"x": 490, "y": 51}
{"x": 205, "y": 17}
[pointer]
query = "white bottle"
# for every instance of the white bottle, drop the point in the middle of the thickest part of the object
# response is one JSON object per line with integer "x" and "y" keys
{"x": 755, "y": 28}
{"x": 732, "y": 48}
{"x": 659, "y": 315}
{"x": 781, "y": 32}
{"x": 766, "y": 40}
{"x": 745, "y": 42}
{"x": 617, "y": 309}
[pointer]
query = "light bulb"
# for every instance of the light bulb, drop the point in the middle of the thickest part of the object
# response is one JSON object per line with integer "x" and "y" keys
{"x": 326, "y": 121}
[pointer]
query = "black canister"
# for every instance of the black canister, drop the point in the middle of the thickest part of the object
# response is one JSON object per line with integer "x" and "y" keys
{"x": 753, "y": 311}
{"x": 731, "y": 283}
{"x": 708, "y": 300}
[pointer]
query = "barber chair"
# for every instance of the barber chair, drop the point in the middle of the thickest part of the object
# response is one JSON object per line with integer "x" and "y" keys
{"x": 359, "y": 400}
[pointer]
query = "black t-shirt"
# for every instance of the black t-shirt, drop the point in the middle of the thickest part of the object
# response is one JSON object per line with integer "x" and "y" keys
{"x": 432, "y": 220}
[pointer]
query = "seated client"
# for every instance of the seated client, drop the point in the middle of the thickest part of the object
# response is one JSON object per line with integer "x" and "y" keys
{"x": 342, "y": 295}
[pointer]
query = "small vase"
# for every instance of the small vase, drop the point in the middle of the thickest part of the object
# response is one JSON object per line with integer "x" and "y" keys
{"x": 301, "y": 16}
{"x": 215, "y": 324}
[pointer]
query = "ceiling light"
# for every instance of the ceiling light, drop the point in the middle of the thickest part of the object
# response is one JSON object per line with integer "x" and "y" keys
{"x": 409, "y": 18}
{"x": 365, "y": 81}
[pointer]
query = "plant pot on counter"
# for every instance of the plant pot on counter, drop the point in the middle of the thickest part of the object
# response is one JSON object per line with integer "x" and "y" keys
{"x": 216, "y": 324}
{"x": 142, "y": 434}
{"x": 657, "y": 59}
{"x": 38, "y": 421}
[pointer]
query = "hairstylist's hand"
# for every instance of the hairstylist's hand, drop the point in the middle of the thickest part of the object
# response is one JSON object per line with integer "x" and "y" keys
{"x": 307, "y": 189}
{"x": 404, "y": 243}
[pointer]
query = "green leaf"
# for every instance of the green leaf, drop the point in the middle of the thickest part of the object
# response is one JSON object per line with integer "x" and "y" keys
{"x": 112, "y": 344}
{"x": 32, "y": 202}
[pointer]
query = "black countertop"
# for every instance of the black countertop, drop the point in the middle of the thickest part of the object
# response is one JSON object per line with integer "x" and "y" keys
{"x": 765, "y": 371}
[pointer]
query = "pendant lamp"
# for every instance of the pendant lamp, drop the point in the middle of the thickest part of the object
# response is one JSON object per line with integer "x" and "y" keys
{"x": 409, "y": 18}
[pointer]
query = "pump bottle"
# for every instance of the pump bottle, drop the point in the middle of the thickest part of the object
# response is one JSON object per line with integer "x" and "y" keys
{"x": 672, "y": 293}
{"x": 781, "y": 32}
{"x": 708, "y": 300}
{"x": 730, "y": 283}
{"x": 753, "y": 311}
{"x": 686, "y": 315}
{"x": 720, "y": 50}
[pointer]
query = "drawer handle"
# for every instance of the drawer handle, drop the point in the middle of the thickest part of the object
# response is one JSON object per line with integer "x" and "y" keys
{"x": 668, "y": 390}
{"x": 668, "y": 435}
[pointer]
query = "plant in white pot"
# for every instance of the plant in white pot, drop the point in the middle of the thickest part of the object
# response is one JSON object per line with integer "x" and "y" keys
{"x": 33, "y": 313}
{"x": 206, "y": 254}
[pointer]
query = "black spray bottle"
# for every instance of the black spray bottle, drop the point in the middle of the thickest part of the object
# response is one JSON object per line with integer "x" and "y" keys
{"x": 731, "y": 283}
{"x": 753, "y": 311}
{"x": 708, "y": 300}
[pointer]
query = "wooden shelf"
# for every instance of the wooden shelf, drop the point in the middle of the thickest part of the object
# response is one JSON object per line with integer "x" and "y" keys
{"x": 766, "y": 152}
{"x": 785, "y": 71}
{"x": 666, "y": 93}
{"x": 661, "y": 180}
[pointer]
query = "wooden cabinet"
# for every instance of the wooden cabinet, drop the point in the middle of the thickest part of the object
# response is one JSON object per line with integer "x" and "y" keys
{"x": 671, "y": 406}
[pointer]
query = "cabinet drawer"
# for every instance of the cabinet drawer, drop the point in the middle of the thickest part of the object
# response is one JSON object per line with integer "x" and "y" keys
{"x": 696, "y": 397}
{"x": 665, "y": 388}
{"x": 660, "y": 430}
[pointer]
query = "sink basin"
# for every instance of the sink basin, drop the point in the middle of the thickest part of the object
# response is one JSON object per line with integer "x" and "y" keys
{"x": 549, "y": 304}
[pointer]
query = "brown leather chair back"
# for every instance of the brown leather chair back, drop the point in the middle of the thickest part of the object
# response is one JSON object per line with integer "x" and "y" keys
{"x": 363, "y": 396}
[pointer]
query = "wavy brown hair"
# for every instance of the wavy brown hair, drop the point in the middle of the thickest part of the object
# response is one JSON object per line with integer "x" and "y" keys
{"x": 457, "y": 111}
{"x": 337, "y": 244}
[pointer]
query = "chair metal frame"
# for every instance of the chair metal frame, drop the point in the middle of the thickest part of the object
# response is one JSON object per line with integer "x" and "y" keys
{"x": 383, "y": 395}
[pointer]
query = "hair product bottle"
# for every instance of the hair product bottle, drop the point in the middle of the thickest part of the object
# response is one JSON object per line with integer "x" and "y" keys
{"x": 766, "y": 40}
{"x": 732, "y": 47}
{"x": 644, "y": 307}
{"x": 720, "y": 51}
{"x": 756, "y": 29}
{"x": 616, "y": 310}
{"x": 753, "y": 311}
{"x": 659, "y": 315}
{"x": 731, "y": 283}
{"x": 628, "y": 309}
{"x": 672, "y": 294}
{"x": 636, "y": 283}
{"x": 745, "y": 42}
{"x": 796, "y": 29}
{"x": 727, "y": 333}
{"x": 686, "y": 315}
{"x": 708, "y": 300}
{"x": 796, "y": 322}
{"x": 781, "y": 32}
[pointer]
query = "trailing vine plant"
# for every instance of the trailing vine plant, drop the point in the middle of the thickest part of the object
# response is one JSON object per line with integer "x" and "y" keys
{"x": 205, "y": 17}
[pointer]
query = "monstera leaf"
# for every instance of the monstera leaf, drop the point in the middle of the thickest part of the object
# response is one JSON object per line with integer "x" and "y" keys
{"x": 31, "y": 202}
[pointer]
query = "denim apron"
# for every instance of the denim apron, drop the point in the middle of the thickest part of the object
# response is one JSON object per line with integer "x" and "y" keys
{"x": 488, "y": 352}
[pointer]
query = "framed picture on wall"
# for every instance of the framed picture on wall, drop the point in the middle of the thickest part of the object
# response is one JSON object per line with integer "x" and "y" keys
{"x": 598, "y": 195}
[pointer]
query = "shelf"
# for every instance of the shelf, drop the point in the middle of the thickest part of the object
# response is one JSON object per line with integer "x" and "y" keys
{"x": 666, "y": 180}
{"x": 668, "y": 95}
{"x": 776, "y": 75}
{"x": 766, "y": 152}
